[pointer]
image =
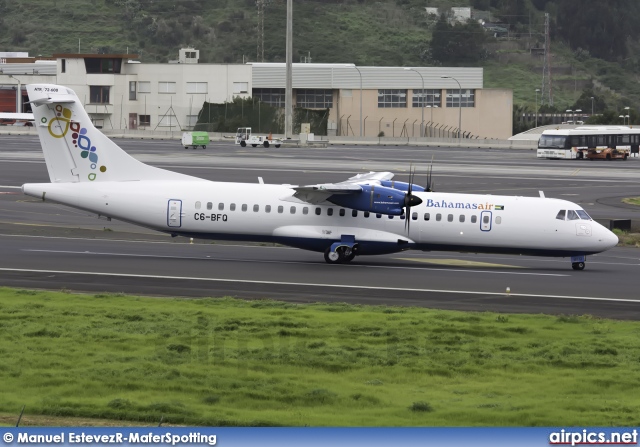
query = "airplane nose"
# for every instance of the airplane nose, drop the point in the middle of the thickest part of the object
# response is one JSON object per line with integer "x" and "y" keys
{"x": 610, "y": 239}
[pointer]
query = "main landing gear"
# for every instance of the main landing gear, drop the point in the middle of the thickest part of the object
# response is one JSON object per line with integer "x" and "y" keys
{"x": 341, "y": 252}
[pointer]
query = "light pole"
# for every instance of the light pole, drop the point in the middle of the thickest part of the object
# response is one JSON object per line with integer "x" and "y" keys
{"x": 621, "y": 116}
{"x": 627, "y": 115}
{"x": 592, "y": 105}
{"x": 537, "y": 91}
{"x": 19, "y": 95}
{"x": 424, "y": 97}
{"x": 577, "y": 111}
{"x": 459, "y": 104}
{"x": 360, "y": 74}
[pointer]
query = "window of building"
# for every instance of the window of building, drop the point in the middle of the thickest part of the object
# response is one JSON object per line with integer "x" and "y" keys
{"x": 314, "y": 98}
{"x": 391, "y": 98}
{"x": 271, "y": 96}
{"x": 102, "y": 65}
{"x": 63, "y": 68}
{"x": 461, "y": 98}
{"x": 196, "y": 87}
{"x": 280, "y": 209}
{"x": 144, "y": 120}
{"x": 256, "y": 208}
{"x": 232, "y": 207}
{"x": 461, "y": 217}
{"x": 166, "y": 87}
{"x": 144, "y": 87}
{"x": 198, "y": 205}
{"x": 426, "y": 97}
{"x": 292, "y": 210}
{"x": 267, "y": 208}
{"x": 240, "y": 87}
{"x": 427, "y": 216}
{"x": 474, "y": 219}
{"x": 209, "y": 205}
{"x": 132, "y": 90}
{"x": 329, "y": 211}
{"x": 99, "y": 94}
{"x": 221, "y": 206}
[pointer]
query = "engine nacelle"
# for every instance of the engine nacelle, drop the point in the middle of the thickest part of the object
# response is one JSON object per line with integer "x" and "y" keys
{"x": 373, "y": 198}
{"x": 402, "y": 186}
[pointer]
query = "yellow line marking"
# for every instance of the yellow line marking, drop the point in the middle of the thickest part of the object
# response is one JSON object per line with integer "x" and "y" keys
{"x": 460, "y": 263}
{"x": 576, "y": 171}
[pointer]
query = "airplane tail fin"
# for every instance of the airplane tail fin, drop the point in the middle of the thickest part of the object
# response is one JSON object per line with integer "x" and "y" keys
{"x": 74, "y": 150}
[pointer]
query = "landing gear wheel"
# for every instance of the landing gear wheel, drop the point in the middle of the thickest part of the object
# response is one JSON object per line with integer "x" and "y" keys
{"x": 578, "y": 265}
{"x": 243, "y": 143}
{"x": 349, "y": 258}
{"x": 333, "y": 257}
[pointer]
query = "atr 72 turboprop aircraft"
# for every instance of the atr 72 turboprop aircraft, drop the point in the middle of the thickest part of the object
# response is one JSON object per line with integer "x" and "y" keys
{"x": 365, "y": 215}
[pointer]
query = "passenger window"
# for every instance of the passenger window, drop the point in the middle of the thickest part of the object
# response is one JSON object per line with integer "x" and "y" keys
{"x": 390, "y": 216}
{"x": 280, "y": 209}
{"x": 342, "y": 211}
{"x": 256, "y": 208}
{"x": 354, "y": 213}
{"x": 427, "y": 216}
{"x": 461, "y": 217}
{"x": 402, "y": 217}
{"x": 572, "y": 215}
{"x": 305, "y": 210}
{"x": 293, "y": 210}
{"x": 198, "y": 205}
{"x": 450, "y": 218}
{"x": 414, "y": 216}
{"x": 560, "y": 215}
{"x": 209, "y": 205}
{"x": 267, "y": 208}
{"x": 318, "y": 211}
{"x": 474, "y": 219}
{"x": 498, "y": 219}
{"x": 485, "y": 219}
{"x": 221, "y": 206}
{"x": 367, "y": 214}
{"x": 244, "y": 207}
{"x": 438, "y": 217}
{"x": 378, "y": 216}
{"x": 329, "y": 211}
{"x": 232, "y": 207}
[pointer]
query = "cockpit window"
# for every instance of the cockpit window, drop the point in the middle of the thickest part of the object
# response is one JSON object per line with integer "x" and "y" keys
{"x": 561, "y": 214}
{"x": 572, "y": 215}
{"x": 583, "y": 215}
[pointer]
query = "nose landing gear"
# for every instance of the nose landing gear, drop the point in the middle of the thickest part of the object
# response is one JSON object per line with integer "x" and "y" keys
{"x": 578, "y": 262}
{"x": 341, "y": 252}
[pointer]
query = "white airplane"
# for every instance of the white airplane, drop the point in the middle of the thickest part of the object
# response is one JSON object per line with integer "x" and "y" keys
{"x": 364, "y": 215}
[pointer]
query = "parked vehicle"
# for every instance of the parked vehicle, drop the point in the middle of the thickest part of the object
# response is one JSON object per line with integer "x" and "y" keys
{"x": 195, "y": 139}
{"x": 244, "y": 137}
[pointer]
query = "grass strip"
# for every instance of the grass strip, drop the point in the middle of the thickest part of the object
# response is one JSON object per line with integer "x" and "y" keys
{"x": 228, "y": 362}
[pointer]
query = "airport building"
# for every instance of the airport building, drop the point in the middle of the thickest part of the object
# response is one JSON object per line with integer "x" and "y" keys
{"x": 121, "y": 93}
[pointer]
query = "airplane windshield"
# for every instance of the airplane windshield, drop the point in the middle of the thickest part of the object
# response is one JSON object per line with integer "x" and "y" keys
{"x": 583, "y": 215}
{"x": 573, "y": 215}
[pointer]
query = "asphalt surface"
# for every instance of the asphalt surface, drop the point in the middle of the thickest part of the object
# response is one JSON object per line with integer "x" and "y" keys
{"x": 54, "y": 247}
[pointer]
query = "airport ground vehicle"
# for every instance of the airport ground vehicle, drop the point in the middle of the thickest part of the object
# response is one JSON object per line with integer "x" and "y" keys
{"x": 590, "y": 142}
{"x": 195, "y": 139}
{"x": 245, "y": 137}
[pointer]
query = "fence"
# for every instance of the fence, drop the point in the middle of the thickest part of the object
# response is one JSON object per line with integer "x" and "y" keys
{"x": 350, "y": 126}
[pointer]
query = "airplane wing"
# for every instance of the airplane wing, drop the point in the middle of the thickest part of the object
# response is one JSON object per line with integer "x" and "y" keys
{"x": 319, "y": 193}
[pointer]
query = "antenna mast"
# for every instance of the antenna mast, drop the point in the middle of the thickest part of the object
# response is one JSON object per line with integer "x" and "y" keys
{"x": 546, "y": 91}
{"x": 260, "y": 49}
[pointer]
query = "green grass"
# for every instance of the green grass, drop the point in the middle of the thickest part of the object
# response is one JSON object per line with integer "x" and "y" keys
{"x": 228, "y": 362}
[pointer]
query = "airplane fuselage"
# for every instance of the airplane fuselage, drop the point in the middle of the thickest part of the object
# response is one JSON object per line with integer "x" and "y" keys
{"x": 269, "y": 213}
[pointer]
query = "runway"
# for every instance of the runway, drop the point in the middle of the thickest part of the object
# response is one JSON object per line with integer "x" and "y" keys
{"x": 54, "y": 247}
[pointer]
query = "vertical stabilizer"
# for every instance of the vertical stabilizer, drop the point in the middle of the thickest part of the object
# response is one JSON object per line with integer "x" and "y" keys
{"x": 74, "y": 150}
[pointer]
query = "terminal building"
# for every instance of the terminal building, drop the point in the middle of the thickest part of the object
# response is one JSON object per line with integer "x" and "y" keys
{"x": 121, "y": 93}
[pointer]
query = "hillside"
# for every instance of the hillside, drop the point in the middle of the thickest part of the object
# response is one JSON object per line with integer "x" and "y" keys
{"x": 385, "y": 32}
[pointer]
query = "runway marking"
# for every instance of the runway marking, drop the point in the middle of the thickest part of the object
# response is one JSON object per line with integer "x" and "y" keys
{"x": 132, "y": 255}
{"x": 328, "y": 286}
{"x": 461, "y": 262}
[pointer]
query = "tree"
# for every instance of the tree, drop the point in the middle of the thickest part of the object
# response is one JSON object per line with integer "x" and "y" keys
{"x": 457, "y": 44}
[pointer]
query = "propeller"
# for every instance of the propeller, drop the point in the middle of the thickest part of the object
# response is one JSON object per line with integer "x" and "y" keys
{"x": 430, "y": 182}
{"x": 410, "y": 200}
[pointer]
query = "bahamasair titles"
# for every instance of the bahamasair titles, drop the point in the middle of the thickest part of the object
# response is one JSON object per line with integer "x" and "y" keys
{"x": 367, "y": 214}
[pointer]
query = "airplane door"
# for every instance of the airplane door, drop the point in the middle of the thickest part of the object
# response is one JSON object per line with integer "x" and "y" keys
{"x": 485, "y": 221}
{"x": 174, "y": 213}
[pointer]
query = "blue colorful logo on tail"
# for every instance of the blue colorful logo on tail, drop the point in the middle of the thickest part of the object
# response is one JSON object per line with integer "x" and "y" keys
{"x": 59, "y": 127}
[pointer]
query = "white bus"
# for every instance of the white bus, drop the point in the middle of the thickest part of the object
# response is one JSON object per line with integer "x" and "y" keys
{"x": 592, "y": 142}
